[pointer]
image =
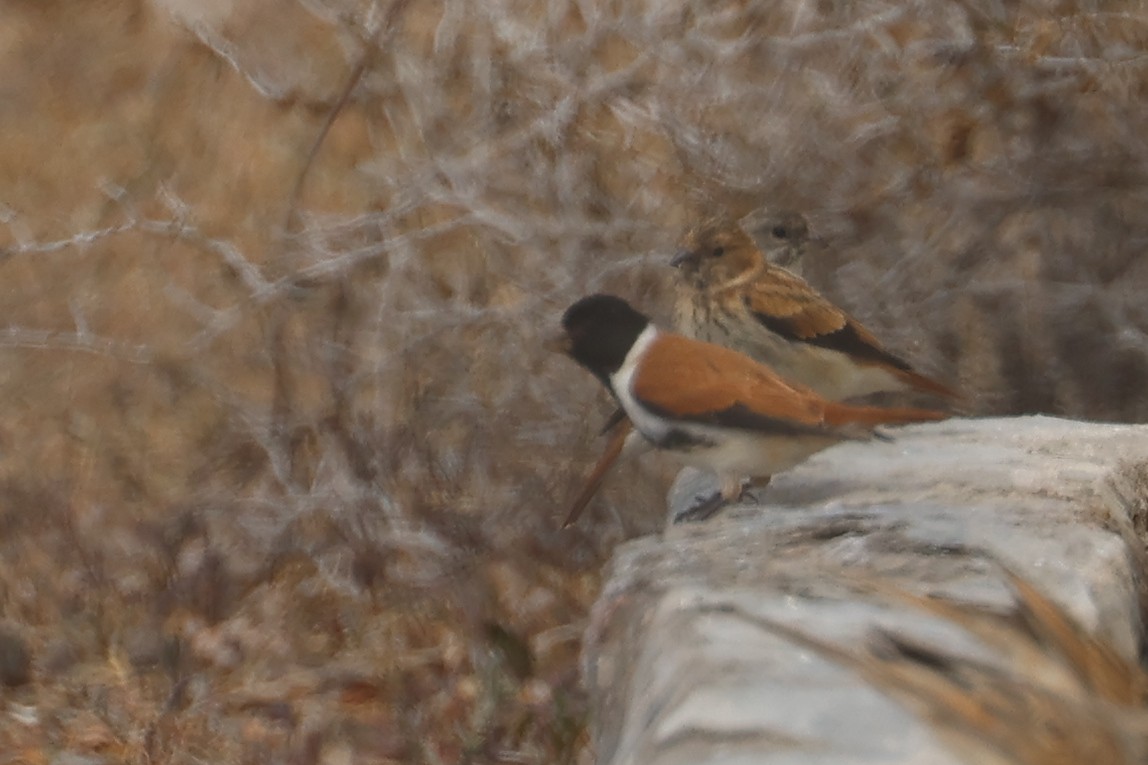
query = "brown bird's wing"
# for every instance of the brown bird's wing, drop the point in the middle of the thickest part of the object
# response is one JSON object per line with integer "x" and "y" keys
{"x": 691, "y": 380}
{"x": 787, "y": 305}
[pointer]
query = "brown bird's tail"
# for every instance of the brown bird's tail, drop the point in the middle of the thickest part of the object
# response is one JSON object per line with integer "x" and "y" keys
{"x": 842, "y": 415}
{"x": 923, "y": 384}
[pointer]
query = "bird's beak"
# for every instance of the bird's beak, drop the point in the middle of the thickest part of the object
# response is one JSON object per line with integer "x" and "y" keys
{"x": 559, "y": 342}
{"x": 682, "y": 258}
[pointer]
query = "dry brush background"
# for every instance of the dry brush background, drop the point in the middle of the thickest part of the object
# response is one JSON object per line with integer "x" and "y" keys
{"x": 281, "y": 457}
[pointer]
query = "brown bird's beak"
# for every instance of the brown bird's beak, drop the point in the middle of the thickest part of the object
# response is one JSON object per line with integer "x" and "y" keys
{"x": 559, "y": 342}
{"x": 683, "y": 257}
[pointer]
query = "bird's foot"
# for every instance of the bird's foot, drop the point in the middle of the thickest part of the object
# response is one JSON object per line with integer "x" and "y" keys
{"x": 751, "y": 489}
{"x": 732, "y": 491}
{"x": 706, "y": 507}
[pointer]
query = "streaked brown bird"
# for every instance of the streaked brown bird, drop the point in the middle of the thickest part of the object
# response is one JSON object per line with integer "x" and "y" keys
{"x": 711, "y": 406}
{"x": 733, "y": 293}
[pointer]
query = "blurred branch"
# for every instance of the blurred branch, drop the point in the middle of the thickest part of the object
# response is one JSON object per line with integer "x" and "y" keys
{"x": 371, "y": 46}
{"x": 81, "y": 342}
{"x": 76, "y": 240}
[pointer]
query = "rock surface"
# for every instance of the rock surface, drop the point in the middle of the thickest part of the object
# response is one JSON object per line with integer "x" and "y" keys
{"x": 674, "y": 680}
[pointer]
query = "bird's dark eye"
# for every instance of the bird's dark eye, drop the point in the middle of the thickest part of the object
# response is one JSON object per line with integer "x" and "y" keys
{"x": 717, "y": 252}
{"x": 780, "y": 232}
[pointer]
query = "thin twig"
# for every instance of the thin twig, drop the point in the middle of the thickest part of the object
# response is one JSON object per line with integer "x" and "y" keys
{"x": 371, "y": 49}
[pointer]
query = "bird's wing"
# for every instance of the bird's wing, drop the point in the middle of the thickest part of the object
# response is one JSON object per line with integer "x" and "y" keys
{"x": 686, "y": 379}
{"x": 787, "y": 305}
{"x": 690, "y": 380}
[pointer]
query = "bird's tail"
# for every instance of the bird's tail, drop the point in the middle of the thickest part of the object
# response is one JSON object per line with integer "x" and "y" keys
{"x": 622, "y": 429}
{"x": 919, "y": 382}
{"x": 843, "y": 415}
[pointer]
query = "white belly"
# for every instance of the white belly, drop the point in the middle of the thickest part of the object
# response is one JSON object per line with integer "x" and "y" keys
{"x": 752, "y": 455}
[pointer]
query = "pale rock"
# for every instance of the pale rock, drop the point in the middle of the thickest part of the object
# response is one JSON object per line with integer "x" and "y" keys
{"x": 674, "y": 680}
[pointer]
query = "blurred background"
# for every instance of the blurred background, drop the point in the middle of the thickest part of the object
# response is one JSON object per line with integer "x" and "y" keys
{"x": 282, "y": 460}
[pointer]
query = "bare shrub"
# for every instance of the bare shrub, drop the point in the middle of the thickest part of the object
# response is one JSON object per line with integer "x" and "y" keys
{"x": 280, "y": 429}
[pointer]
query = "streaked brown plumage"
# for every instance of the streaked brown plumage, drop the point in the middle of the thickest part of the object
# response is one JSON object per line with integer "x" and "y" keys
{"x": 732, "y": 294}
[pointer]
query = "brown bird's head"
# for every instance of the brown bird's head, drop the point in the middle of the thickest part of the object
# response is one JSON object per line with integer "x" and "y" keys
{"x": 716, "y": 252}
{"x": 599, "y": 331}
{"x": 719, "y": 251}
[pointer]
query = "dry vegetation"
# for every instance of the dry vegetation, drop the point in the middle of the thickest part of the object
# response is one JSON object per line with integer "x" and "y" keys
{"x": 281, "y": 459}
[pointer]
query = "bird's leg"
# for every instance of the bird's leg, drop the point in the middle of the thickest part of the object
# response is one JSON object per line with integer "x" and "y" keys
{"x": 732, "y": 487}
{"x": 754, "y": 484}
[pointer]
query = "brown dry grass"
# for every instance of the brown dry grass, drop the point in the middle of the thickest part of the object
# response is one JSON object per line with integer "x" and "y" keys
{"x": 282, "y": 458}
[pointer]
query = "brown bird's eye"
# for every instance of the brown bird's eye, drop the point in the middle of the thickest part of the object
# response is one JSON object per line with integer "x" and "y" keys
{"x": 717, "y": 252}
{"x": 780, "y": 232}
